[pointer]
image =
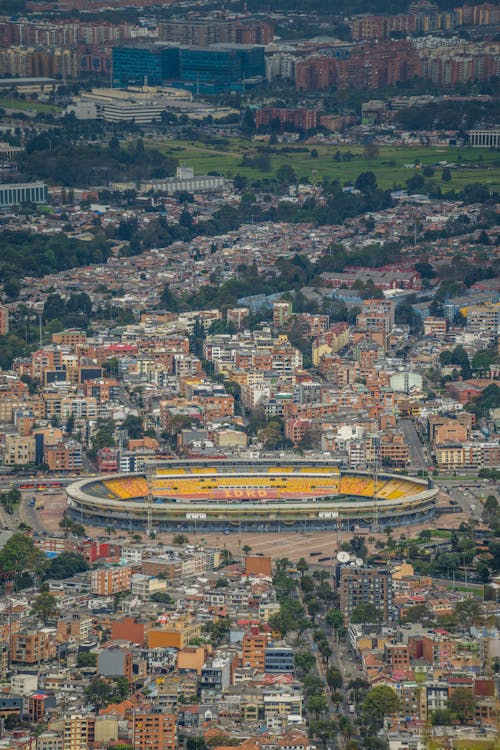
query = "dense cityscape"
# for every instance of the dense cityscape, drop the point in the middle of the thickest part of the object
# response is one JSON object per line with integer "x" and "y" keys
{"x": 249, "y": 375}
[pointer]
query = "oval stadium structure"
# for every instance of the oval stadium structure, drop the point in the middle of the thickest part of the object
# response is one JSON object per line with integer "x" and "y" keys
{"x": 258, "y": 495}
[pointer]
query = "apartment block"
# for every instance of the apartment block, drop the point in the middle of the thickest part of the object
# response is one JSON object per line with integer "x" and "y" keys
{"x": 79, "y": 732}
{"x": 254, "y": 649}
{"x": 365, "y": 586}
{"x": 435, "y": 326}
{"x": 31, "y": 647}
{"x": 65, "y": 456}
{"x": 483, "y": 319}
{"x": 154, "y": 731}
{"x": 110, "y": 581}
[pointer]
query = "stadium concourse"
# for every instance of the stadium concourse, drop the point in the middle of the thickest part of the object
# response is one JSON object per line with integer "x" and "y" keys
{"x": 258, "y": 496}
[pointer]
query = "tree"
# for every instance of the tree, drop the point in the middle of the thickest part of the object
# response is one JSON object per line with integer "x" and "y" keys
{"x": 491, "y": 510}
{"x": 227, "y": 557}
{"x": 420, "y": 613}
{"x": 335, "y": 620}
{"x": 302, "y": 566}
{"x": 366, "y": 182}
{"x": 86, "y": 659}
{"x": 248, "y": 121}
{"x": 307, "y": 584}
{"x": 99, "y": 692}
{"x": 324, "y": 591}
{"x": 20, "y": 554}
{"x": 70, "y": 424}
{"x": 168, "y": 299}
{"x": 345, "y": 727}
{"x": 103, "y": 436}
{"x": 180, "y": 539}
{"x": 446, "y": 174}
{"x": 366, "y": 613}
{"x": 161, "y": 597}
{"x": 66, "y": 565}
{"x": 380, "y": 701}
{"x": 325, "y": 651}
{"x": 218, "y": 630}
{"x": 122, "y": 689}
{"x": 371, "y": 150}
{"x": 317, "y": 704}
{"x": 323, "y": 729}
{"x": 286, "y": 174}
{"x": 314, "y": 608}
{"x": 334, "y": 678}
{"x": 10, "y": 500}
{"x": 45, "y": 607}
{"x": 442, "y": 717}
{"x": 290, "y": 614}
{"x": 133, "y": 425}
{"x": 463, "y": 704}
{"x": 305, "y": 661}
{"x": 467, "y": 611}
{"x": 246, "y": 549}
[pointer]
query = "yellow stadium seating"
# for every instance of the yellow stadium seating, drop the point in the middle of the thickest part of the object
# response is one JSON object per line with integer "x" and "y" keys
{"x": 127, "y": 487}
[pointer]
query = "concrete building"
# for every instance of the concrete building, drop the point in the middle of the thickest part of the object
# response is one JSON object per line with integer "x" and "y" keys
{"x": 110, "y": 581}
{"x": 19, "y": 193}
{"x": 215, "y": 676}
{"x": 185, "y": 180}
{"x": 485, "y": 138}
{"x": 280, "y": 65}
{"x": 65, "y": 456}
{"x": 254, "y": 649}
{"x": 115, "y": 661}
{"x": 78, "y": 732}
{"x": 362, "y": 585}
{"x": 154, "y": 731}
{"x": 278, "y": 658}
{"x": 484, "y": 319}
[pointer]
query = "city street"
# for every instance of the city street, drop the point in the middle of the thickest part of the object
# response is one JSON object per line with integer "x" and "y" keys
{"x": 415, "y": 448}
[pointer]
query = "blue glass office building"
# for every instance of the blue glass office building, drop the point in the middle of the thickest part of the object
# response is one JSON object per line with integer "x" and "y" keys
{"x": 137, "y": 65}
{"x": 220, "y": 67}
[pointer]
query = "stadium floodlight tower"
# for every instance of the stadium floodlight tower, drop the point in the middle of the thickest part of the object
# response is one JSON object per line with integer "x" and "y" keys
{"x": 150, "y": 472}
{"x": 376, "y": 466}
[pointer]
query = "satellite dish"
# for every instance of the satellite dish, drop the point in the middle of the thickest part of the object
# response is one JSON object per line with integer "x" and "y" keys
{"x": 359, "y": 562}
{"x": 343, "y": 556}
{"x": 352, "y": 564}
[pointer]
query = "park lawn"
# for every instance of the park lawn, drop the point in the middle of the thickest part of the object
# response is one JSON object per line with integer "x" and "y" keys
{"x": 389, "y": 166}
{"x": 26, "y": 105}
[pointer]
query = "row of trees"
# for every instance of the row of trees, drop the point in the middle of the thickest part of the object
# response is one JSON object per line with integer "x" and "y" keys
{"x": 56, "y": 158}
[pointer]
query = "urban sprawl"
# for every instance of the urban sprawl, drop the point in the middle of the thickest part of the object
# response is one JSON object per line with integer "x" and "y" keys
{"x": 249, "y": 375}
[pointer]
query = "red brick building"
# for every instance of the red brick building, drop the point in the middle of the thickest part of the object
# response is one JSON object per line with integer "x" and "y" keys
{"x": 302, "y": 119}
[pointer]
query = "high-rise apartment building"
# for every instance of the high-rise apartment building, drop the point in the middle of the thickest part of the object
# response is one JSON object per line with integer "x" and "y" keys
{"x": 362, "y": 585}
{"x": 154, "y": 731}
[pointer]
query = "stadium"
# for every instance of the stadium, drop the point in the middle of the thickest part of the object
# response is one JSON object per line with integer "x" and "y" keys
{"x": 261, "y": 495}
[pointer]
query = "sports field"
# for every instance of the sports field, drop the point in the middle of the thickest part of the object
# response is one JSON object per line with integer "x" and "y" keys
{"x": 16, "y": 104}
{"x": 392, "y": 166}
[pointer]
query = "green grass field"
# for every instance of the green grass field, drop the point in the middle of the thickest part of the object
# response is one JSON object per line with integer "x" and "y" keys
{"x": 26, "y": 105}
{"x": 480, "y": 165}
